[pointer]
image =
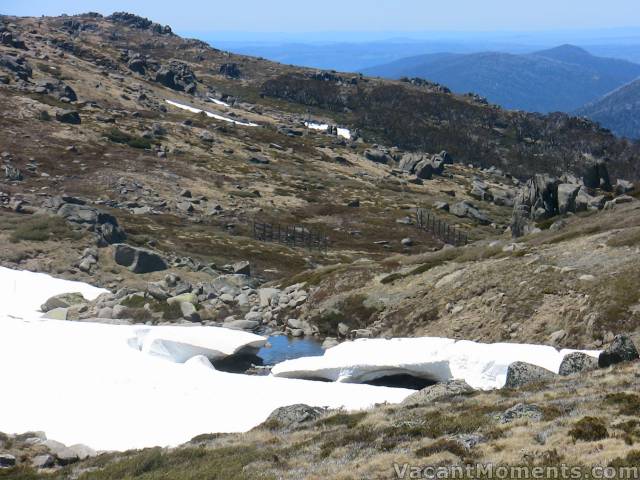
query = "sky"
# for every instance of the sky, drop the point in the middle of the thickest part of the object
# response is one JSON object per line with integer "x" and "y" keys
{"x": 297, "y": 16}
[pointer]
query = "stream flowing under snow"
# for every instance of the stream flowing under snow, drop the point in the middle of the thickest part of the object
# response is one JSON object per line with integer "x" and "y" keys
{"x": 115, "y": 387}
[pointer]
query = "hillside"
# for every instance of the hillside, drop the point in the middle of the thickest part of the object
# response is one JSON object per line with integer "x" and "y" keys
{"x": 618, "y": 111}
{"x": 560, "y": 79}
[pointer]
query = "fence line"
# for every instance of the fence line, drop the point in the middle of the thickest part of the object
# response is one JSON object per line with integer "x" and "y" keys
{"x": 291, "y": 235}
{"x": 428, "y": 222}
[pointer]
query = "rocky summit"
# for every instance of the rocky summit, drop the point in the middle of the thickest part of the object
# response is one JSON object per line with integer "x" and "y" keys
{"x": 160, "y": 187}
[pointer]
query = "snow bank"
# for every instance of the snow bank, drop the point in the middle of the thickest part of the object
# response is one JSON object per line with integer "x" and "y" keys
{"x": 83, "y": 383}
{"x": 115, "y": 387}
{"x": 323, "y": 127}
{"x": 317, "y": 126}
{"x": 482, "y": 366}
{"x": 179, "y": 344}
{"x": 344, "y": 133}
{"x": 22, "y": 293}
{"x": 209, "y": 114}
{"x": 219, "y": 102}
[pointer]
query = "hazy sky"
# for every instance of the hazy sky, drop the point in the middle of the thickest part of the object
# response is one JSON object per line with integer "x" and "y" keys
{"x": 354, "y": 15}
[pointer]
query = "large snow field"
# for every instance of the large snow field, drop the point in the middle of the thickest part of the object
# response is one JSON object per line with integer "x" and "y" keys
{"x": 115, "y": 387}
{"x": 482, "y": 366}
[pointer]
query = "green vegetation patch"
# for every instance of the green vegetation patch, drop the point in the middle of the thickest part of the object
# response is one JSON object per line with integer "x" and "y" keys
{"x": 41, "y": 228}
{"x": 351, "y": 311}
{"x": 118, "y": 136}
{"x": 227, "y": 463}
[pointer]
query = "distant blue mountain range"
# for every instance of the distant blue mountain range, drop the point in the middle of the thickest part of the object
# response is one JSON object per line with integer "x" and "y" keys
{"x": 564, "y": 78}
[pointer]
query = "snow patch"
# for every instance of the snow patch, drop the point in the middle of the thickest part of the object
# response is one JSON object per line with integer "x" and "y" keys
{"x": 323, "y": 127}
{"x": 116, "y": 387}
{"x": 22, "y": 292}
{"x": 219, "y": 102}
{"x": 482, "y": 366}
{"x": 317, "y": 126}
{"x": 344, "y": 133}
{"x": 210, "y": 114}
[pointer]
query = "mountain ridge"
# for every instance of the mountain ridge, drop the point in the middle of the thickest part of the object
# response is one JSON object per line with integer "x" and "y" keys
{"x": 563, "y": 78}
{"x": 618, "y": 111}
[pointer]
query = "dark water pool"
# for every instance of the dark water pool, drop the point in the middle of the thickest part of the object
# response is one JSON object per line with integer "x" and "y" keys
{"x": 285, "y": 348}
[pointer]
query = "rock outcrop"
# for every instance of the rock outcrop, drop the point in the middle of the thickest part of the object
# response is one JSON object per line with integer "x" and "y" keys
{"x": 177, "y": 76}
{"x": 622, "y": 349}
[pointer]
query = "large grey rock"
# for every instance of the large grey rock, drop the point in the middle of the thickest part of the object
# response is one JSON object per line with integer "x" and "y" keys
{"x": 623, "y": 186}
{"x": 7, "y": 460}
{"x": 138, "y": 260}
{"x": 521, "y": 373}
{"x": 425, "y": 170}
{"x": 292, "y": 416}
{"x": 521, "y": 410}
{"x": 177, "y": 76}
{"x": 64, "y": 300}
{"x": 43, "y": 461}
{"x": 596, "y": 175}
{"x": 68, "y": 116}
{"x": 189, "y": 312}
{"x": 439, "y": 391}
{"x": 409, "y": 161}
{"x": 242, "y": 268}
{"x": 16, "y": 65}
{"x": 577, "y": 362}
{"x": 567, "y": 194}
{"x": 248, "y": 325}
{"x": 467, "y": 209}
{"x": 622, "y": 349}
{"x": 57, "y": 88}
{"x": 377, "y": 156}
{"x": 68, "y": 455}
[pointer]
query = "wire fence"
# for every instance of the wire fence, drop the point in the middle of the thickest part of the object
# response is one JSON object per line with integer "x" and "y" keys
{"x": 290, "y": 235}
{"x": 440, "y": 229}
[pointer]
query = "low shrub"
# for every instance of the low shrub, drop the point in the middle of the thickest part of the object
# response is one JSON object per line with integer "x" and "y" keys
{"x": 589, "y": 429}
{"x": 118, "y": 136}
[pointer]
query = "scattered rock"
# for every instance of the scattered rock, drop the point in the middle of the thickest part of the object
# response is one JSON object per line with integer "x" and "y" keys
{"x": 467, "y": 209}
{"x": 242, "y": 268}
{"x": 64, "y": 300}
{"x": 521, "y": 410}
{"x": 377, "y": 156}
{"x": 439, "y": 391}
{"x": 43, "y": 461}
{"x": 577, "y": 362}
{"x": 68, "y": 116}
{"x": 7, "y": 460}
{"x": 138, "y": 260}
{"x": 521, "y": 373}
{"x": 291, "y": 417}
